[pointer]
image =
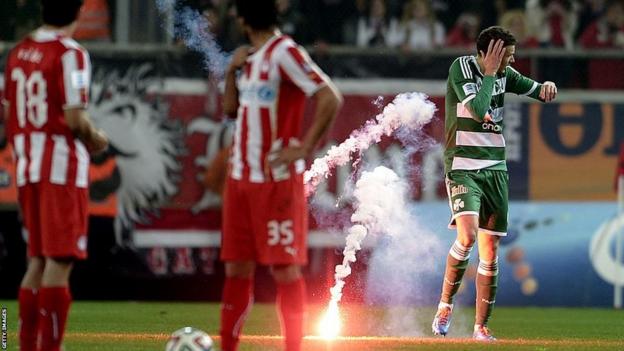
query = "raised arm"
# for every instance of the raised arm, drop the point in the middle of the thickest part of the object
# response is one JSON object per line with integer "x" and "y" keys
{"x": 230, "y": 94}
{"x": 479, "y": 106}
{"x": 476, "y": 99}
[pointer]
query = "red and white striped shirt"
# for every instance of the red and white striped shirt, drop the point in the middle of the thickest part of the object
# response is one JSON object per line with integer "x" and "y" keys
{"x": 47, "y": 73}
{"x": 272, "y": 88}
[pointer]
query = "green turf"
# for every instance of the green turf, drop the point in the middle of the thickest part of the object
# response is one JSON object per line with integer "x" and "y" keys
{"x": 124, "y": 326}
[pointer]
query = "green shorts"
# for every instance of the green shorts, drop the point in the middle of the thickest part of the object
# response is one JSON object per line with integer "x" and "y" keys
{"x": 483, "y": 193}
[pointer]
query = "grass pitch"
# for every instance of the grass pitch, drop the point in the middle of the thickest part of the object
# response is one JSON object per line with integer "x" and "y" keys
{"x": 125, "y": 326}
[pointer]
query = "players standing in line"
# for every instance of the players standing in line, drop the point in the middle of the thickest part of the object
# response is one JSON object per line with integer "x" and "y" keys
{"x": 46, "y": 91}
{"x": 475, "y": 167}
{"x": 264, "y": 207}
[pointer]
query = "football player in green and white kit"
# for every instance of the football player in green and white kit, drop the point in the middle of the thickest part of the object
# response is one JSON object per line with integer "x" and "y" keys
{"x": 475, "y": 167}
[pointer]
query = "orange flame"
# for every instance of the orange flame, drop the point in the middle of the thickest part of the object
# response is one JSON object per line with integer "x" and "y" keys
{"x": 329, "y": 326}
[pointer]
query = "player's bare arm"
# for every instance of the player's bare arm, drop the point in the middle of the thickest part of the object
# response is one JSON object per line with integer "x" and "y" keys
{"x": 230, "y": 95}
{"x": 548, "y": 92}
{"x": 79, "y": 122}
{"x": 328, "y": 101}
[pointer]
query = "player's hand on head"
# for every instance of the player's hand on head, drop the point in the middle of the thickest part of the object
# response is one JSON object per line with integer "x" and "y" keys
{"x": 493, "y": 57}
{"x": 548, "y": 92}
{"x": 239, "y": 57}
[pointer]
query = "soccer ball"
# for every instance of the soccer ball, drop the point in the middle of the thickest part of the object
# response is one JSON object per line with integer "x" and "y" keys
{"x": 189, "y": 339}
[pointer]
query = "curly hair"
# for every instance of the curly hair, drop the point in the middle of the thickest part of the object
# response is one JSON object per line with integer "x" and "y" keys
{"x": 258, "y": 14}
{"x": 60, "y": 13}
{"x": 494, "y": 33}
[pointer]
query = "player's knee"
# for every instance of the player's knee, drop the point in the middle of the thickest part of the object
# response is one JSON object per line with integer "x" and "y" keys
{"x": 241, "y": 270}
{"x": 467, "y": 240}
{"x": 59, "y": 264}
{"x": 36, "y": 265}
{"x": 467, "y": 237}
{"x": 57, "y": 271}
{"x": 467, "y": 230}
{"x": 487, "y": 254}
{"x": 286, "y": 273}
{"x": 60, "y": 261}
{"x": 34, "y": 272}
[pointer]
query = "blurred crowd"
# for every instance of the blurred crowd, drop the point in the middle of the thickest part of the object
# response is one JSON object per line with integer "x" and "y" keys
{"x": 405, "y": 24}
{"x": 429, "y": 24}
{"x": 19, "y": 17}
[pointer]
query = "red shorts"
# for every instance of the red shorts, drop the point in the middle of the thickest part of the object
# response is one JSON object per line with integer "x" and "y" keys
{"x": 265, "y": 222}
{"x": 55, "y": 217}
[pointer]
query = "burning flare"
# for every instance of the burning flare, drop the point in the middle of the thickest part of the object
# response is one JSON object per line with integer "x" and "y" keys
{"x": 330, "y": 325}
{"x": 371, "y": 215}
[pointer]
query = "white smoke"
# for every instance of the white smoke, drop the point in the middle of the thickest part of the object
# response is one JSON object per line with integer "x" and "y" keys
{"x": 404, "y": 270}
{"x": 380, "y": 201}
{"x": 410, "y": 111}
{"x": 404, "y": 266}
{"x": 193, "y": 29}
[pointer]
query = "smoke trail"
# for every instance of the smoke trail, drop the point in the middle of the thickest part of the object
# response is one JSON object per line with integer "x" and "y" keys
{"x": 373, "y": 214}
{"x": 404, "y": 270}
{"x": 408, "y": 110}
{"x": 404, "y": 267}
{"x": 193, "y": 28}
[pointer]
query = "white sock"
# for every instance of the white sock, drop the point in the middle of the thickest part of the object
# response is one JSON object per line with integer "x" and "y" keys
{"x": 444, "y": 304}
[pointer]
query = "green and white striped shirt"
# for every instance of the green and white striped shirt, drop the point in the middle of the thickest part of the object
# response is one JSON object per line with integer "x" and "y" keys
{"x": 472, "y": 144}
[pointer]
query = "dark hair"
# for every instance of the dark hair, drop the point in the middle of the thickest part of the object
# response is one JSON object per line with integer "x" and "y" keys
{"x": 494, "y": 33}
{"x": 258, "y": 14}
{"x": 60, "y": 13}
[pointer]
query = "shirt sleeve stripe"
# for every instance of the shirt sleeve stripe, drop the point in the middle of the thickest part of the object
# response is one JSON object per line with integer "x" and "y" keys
{"x": 468, "y": 98}
{"x": 532, "y": 89}
{"x": 70, "y": 65}
{"x": 463, "y": 68}
{"x": 468, "y": 72}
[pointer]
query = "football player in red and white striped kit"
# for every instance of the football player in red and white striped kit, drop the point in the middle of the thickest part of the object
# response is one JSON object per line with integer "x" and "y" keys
{"x": 264, "y": 206}
{"x": 46, "y": 93}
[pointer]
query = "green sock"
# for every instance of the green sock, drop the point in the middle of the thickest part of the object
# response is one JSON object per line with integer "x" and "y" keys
{"x": 486, "y": 283}
{"x": 456, "y": 263}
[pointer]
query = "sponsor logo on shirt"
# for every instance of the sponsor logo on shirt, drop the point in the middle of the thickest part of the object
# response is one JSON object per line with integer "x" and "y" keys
{"x": 263, "y": 93}
{"x": 266, "y": 94}
{"x": 80, "y": 79}
{"x": 499, "y": 86}
{"x": 469, "y": 88}
{"x": 492, "y": 126}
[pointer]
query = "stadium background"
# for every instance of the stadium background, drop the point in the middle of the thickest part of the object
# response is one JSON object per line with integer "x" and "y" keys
{"x": 155, "y": 213}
